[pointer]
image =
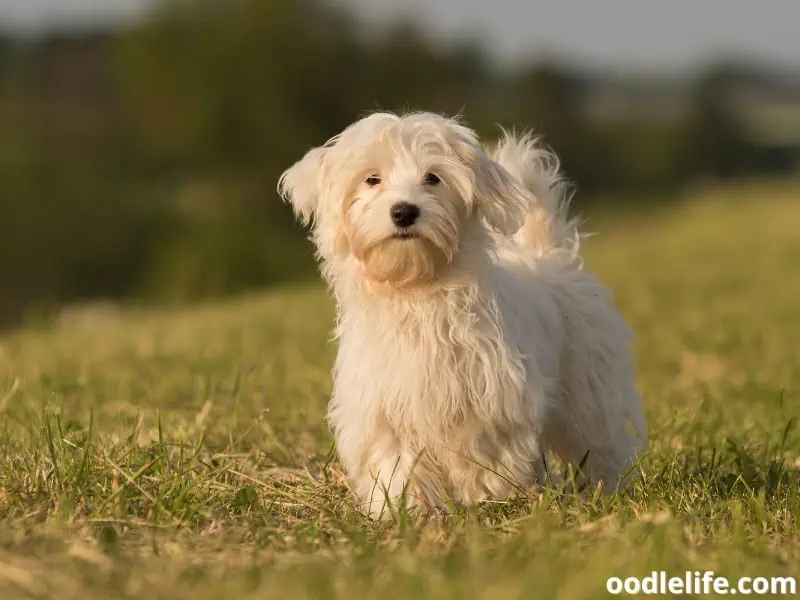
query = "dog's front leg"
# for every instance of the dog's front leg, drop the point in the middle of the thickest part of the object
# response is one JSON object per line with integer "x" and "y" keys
{"x": 384, "y": 484}
{"x": 380, "y": 471}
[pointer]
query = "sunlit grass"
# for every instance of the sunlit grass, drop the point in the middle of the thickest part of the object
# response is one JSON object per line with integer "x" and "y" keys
{"x": 184, "y": 454}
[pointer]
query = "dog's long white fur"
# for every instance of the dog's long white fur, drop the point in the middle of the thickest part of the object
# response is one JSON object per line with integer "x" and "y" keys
{"x": 466, "y": 353}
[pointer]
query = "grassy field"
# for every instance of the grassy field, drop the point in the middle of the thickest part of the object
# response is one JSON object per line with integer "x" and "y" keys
{"x": 183, "y": 454}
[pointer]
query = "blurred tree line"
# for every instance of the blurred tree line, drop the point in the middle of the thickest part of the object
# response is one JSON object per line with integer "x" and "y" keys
{"x": 142, "y": 163}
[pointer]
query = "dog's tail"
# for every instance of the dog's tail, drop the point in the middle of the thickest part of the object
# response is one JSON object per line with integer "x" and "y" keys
{"x": 548, "y": 226}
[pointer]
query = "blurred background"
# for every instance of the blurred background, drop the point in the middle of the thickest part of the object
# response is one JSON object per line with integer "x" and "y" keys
{"x": 141, "y": 140}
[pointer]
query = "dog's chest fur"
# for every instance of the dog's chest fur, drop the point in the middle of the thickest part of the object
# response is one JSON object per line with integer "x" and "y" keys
{"x": 432, "y": 368}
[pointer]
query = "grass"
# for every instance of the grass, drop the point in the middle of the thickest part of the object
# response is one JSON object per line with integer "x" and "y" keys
{"x": 183, "y": 454}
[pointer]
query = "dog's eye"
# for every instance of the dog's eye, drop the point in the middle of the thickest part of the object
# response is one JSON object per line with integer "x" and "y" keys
{"x": 431, "y": 179}
{"x": 373, "y": 180}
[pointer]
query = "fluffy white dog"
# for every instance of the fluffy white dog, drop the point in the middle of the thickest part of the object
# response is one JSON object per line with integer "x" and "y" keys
{"x": 471, "y": 340}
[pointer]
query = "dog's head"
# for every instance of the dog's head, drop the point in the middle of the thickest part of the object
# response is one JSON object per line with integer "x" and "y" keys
{"x": 401, "y": 195}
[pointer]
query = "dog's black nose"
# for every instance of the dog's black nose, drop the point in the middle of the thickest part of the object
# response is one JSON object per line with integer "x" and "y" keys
{"x": 404, "y": 214}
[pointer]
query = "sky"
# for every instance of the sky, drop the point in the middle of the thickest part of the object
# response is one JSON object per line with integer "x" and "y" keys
{"x": 641, "y": 34}
{"x": 33, "y": 16}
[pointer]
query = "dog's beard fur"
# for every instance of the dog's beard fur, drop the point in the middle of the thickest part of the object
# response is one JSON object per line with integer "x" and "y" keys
{"x": 403, "y": 262}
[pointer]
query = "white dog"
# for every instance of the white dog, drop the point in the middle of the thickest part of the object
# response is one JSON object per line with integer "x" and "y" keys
{"x": 471, "y": 341}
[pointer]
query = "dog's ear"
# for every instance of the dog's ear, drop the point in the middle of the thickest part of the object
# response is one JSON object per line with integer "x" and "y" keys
{"x": 499, "y": 197}
{"x": 301, "y": 184}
